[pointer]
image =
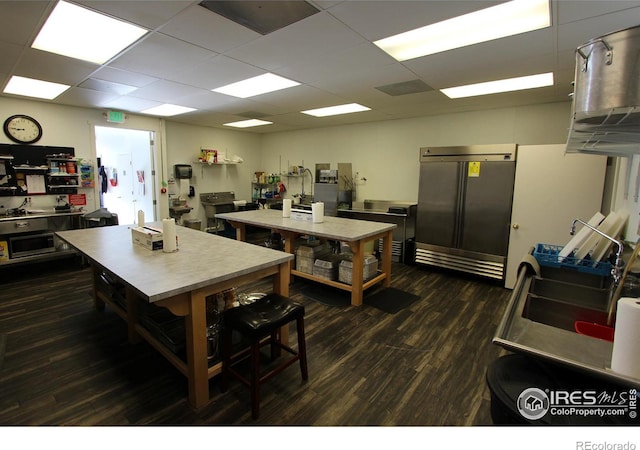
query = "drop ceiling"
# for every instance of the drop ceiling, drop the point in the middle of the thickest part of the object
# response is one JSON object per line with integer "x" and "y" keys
{"x": 191, "y": 50}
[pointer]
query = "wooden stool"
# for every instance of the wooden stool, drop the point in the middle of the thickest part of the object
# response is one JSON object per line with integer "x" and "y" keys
{"x": 256, "y": 321}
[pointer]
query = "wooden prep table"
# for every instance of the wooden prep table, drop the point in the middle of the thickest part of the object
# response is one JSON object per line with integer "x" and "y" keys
{"x": 355, "y": 232}
{"x": 204, "y": 265}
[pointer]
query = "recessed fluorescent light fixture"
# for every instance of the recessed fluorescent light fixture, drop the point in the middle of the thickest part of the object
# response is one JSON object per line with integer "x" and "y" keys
{"x": 167, "y": 110}
{"x": 336, "y": 110}
{"x": 506, "y": 19}
{"x": 30, "y": 87}
{"x": 261, "y": 84}
{"x": 248, "y": 123}
{"x": 83, "y": 34}
{"x": 506, "y": 85}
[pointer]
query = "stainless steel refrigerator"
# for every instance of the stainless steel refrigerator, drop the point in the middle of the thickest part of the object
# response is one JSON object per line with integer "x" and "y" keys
{"x": 464, "y": 208}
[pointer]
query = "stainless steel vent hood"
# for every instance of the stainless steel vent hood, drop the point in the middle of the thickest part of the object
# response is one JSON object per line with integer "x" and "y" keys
{"x": 606, "y": 99}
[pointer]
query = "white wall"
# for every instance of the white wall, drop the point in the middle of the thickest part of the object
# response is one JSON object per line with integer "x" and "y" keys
{"x": 184, "y": 143}
{"x": 386, "y": 153}
{"x": 66, "y": 126}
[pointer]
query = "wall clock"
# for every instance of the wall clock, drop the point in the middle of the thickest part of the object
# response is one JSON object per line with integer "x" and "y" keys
{"x": 22, "y": 129}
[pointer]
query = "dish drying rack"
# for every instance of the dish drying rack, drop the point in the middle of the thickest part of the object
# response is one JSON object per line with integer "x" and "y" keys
{"x": 549, "y": 255}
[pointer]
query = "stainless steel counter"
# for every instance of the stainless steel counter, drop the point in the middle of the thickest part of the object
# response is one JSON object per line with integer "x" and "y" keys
{"x": 45, "y": 214}
{"x": 402, "y": 214}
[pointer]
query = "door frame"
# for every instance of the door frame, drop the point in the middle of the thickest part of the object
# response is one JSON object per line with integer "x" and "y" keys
{"x": 157, "y": 161}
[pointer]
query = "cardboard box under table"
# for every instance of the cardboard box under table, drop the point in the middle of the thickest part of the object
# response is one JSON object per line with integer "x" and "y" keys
{"x": 306, "y": 256}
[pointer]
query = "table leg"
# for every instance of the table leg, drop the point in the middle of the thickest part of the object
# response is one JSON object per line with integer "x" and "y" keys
{"x": 241, "y": 230}
{"x": 289, "y": 245}
{"x": 281, "y": 283}
{"x": 357, "y": 276}
{"x": 133, "y": 308}
{"x": 97, "y": 303}
{"x": 387, "y": 249}
{"x": 196, "y": 337}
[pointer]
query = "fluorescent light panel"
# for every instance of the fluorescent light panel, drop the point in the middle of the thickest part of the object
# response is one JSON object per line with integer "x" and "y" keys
{"x": 83, "y": 34}
{"x": 248, "y": 123}
{"x": 506, "y": 85}
{"x": 336, "y": 110}
{"x": 168, "y": 110}
{"x": 261, "y": 84}
{"x": 506, "y": 19}
{"x": 30, "y": 87}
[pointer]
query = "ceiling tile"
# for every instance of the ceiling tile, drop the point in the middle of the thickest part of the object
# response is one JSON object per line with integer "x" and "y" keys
{"x": 122, "y": 76}
{"x": 19, "y": 19}
{"x": 208, "y": 30}
{"x": 191, "y": 51}
{"x": 216, "y": 72}
{"x": 379, "y": 19}
{"x": 149, "y": 14}
{"x": 310, "y": 38}
{"x": 50, "y": 67}
{"x": 161, "y": 56}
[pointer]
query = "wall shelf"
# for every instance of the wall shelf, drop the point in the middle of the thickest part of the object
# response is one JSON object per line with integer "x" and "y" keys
{"x": 224, "y": 163}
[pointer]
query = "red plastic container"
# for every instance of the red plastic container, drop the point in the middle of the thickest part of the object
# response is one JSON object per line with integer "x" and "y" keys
{"x": 594, "y": 330}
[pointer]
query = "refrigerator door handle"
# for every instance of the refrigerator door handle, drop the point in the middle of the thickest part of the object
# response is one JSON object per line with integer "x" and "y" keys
{"x": 462, "y": 186}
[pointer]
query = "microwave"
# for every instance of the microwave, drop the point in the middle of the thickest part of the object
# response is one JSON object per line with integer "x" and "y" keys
{"x": 31, "y": 244}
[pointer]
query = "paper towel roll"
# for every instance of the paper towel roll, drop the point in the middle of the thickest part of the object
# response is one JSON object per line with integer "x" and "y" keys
{"x": 141, "y": 218}
{"x": 169, "y": 238}
{"x": 317, "y": 212}
{"x": 625, "y": 358}
{"x": 286, "y": 207}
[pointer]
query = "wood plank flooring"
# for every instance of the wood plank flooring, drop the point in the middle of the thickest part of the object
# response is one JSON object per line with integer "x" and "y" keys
{"x": 67, "y": 364}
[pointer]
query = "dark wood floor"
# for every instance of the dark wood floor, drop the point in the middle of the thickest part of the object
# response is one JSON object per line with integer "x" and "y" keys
{"x": 65, "y": 363}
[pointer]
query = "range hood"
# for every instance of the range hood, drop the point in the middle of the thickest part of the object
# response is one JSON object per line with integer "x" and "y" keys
{"x": 605, "y": 115}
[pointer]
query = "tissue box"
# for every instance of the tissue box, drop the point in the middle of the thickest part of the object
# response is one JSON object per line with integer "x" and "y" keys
{"x": 150, "y": 238}
{"x": 301, "y": 214}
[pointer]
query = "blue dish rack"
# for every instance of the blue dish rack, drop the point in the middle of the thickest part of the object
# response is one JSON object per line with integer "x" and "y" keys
{"x": 548, "y": 255}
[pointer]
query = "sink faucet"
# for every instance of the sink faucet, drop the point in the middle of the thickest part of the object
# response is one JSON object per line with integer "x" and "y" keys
{"x": 616, "y": 269}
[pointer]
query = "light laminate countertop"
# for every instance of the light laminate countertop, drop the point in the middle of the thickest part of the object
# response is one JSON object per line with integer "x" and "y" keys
{"x": 337, "y": 228}
{"x": 201, "y": 259}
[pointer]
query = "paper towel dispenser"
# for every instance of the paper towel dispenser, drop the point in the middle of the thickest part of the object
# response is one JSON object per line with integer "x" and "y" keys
{"x": 183, "y": 171}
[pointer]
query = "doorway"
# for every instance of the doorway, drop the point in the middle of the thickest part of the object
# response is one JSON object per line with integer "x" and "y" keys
{"x": 126, "y": 156}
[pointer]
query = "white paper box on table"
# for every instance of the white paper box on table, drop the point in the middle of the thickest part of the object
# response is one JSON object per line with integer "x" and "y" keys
{"x": 301, "y": 214}
{"x": 148, "y": 237}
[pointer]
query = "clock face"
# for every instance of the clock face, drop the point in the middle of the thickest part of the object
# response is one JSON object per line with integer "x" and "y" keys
{"x": 22, "y": 129}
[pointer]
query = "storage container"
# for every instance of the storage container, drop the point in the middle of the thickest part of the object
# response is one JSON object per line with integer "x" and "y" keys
{"x": 307, "y": 254}
{"x": 369, "y": 270}
{"x": 304, "y": 264}
{"x": 327, "y": 267}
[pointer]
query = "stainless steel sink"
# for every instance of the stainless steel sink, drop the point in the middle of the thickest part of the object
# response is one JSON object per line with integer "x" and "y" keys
{"x": 575, "y": 277}
{"x": 553, "y": 300}
{"x": 539, "y": 320}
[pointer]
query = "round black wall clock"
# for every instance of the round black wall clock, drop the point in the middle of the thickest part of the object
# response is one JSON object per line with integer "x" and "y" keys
{"x": 22, "y": 129}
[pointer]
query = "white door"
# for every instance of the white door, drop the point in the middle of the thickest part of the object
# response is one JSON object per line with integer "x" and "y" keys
{"x": 551, "y": 189}
{"x": 127, "y": 157}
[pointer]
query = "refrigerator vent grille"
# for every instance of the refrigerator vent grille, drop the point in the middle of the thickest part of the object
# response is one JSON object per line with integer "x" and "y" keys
{"x": 490, "y": 269}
